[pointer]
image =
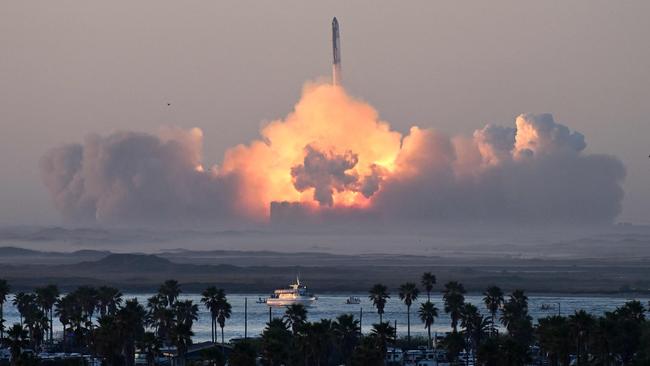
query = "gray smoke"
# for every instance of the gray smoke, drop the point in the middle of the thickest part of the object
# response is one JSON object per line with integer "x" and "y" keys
{"x": 325, "y": 172}
{"x": 535, "y": 172}
{"x": 132, "y": 177}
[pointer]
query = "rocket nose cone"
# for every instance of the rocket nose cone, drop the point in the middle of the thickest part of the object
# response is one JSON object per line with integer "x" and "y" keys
{"x": 335, "y": 22}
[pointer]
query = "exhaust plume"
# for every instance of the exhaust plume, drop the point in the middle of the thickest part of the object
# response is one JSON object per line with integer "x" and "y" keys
{"x": 333, "y": 157}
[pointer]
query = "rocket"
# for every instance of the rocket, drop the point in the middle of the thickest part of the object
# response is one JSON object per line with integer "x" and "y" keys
{"x": 336, "y": 49}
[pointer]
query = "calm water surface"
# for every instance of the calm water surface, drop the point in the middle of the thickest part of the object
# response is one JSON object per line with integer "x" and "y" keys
{"x": 330, "y": 306}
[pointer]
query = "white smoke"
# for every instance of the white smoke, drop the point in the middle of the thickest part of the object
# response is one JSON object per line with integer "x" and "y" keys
{"x": 135, "y": 177}
{"x": 536, "y": 172}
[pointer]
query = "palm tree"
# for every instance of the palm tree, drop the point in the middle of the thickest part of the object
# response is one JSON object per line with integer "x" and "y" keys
{"x": 515, "y": 317}
{"x": 130, "y": 323}
{"x": 408, "y": 293}
{"x": 69, "y": 312}
{"x": 515, "y": 311}
{"x": 554, "y": 339}
{"x": 454, "y": 343}
{"x": 347, "y": 331}
{"x": 632, "y": 310}
{"x": 379, "y": 296}
{"x": 210, "y": 300}
{"x": 318, "y": 339}
{"x": 4, "y": 292}
{"x": 580, "y": 324}
{"x": 368, "y": 353}
{"x": 16, "y": 340}
{"x": 20, "y": 302}
{"x": 295, "y": 316}
{"x": 184, "y": 314}
{"x": 475, "y": 325}
{"x": 107, "y": 340}
{"x": 243, "y": 354}
{"x": 224, "y": 310}
{"x": 46, "y": 298}
{"x": 385, "y": 334}
{"x": 160, "y": 318}
{"x": 154, "y": 309}
{"x": 428, "y": 280}
{"x": 276, "y": 342}
{"x": 35, "y": 319}
{"x": 453, "y": 295}
{"x": 150, "y": 345}
{"x": 108, "y": 300}
{"x": 493, "y": 299}
{"x": 86, "y": 297}
{"x": 169, "y": 291}
{"x": 31, "y": 316}
{"x": 428, "y": 313}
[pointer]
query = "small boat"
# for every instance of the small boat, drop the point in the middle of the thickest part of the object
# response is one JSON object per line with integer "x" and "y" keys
{"x": 547, "y": 307}
{"x": 296, "y": 294}
{"x": 353, "y": 300}
{"x": 261, "y": 300}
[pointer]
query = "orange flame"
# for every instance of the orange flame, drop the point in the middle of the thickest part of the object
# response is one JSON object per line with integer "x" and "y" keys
{"x": 327, "y": 119}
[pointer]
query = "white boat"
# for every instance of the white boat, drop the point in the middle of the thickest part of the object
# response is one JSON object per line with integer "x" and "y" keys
{"x": 296, "y": 294}
{"x": 353, "y": 300}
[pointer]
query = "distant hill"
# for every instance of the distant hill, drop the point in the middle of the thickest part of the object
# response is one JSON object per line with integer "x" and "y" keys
{"x": 14, "y": 252}
{"x": 90, "y": 253}
{"x": 10, "y": 255}
{"x": 147, "y": 263}
{"x": 128, "y": 262}
{"x": 142, "y": 261}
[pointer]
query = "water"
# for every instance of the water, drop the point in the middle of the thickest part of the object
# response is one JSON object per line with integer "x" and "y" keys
{"x": 330, "y": 306}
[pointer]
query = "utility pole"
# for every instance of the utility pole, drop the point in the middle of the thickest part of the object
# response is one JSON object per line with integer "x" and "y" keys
{"x": 361, "y": 320}
{"x": 246, "y": 318}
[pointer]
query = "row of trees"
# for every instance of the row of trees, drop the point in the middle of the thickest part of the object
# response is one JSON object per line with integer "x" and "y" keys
{"x": 292, "y": 340}
{"x": 476, "y": 327}
{"x": 99, "y": 321}
{"x": 620, "y": 337}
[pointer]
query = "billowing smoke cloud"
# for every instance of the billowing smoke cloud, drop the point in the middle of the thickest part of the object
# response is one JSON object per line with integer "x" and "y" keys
{"x": 135, "y": 177}
{"x": 532, "y": 173}
{"x": 325, "y": 173}
{"x": 333, "y": 157}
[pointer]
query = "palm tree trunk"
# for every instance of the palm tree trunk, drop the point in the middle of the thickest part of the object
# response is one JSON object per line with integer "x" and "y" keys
{"x": 51, "y": 325}
{"x": 492, "y": 325}
{"x": 222, "y": 342}
{"x": 408, "y": 325}
{"x": 64, "y": 338}
{"x": 467, "y": 341}
{"x": 429, "y": 332}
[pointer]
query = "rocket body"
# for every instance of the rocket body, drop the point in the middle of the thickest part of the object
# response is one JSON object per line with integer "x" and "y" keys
{"x": 336, "y": 49}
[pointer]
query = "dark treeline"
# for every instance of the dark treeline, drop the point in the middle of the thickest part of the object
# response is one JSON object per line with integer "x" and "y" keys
{"x": 99, "y": 322}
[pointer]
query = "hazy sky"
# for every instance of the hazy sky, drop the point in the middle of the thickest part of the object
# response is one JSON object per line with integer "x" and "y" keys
{"x": 70, "y": 68}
